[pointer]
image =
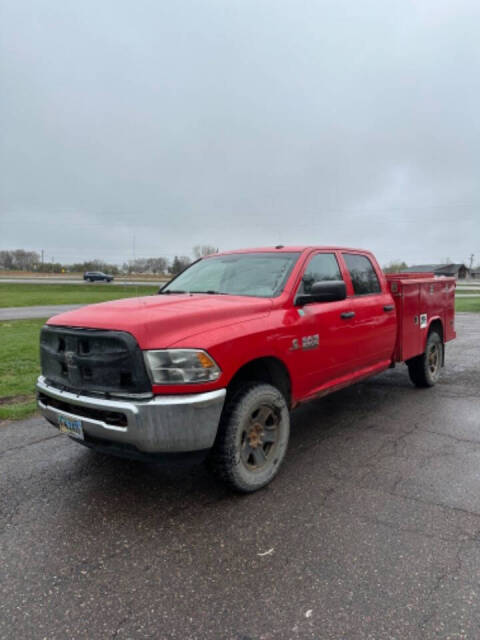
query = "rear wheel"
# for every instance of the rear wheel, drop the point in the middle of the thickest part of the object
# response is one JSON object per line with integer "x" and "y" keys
{"x": 424, "y": 370}
{"x": 252, "y": 437}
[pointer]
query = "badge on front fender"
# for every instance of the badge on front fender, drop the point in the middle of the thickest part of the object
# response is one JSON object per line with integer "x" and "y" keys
{"x": 310, "y": 342}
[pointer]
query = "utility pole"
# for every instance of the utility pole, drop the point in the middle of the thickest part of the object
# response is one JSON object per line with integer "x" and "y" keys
{"x": 43, "y": 253}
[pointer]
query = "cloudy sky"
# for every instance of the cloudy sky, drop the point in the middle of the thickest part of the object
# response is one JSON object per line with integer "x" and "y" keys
{"x": 147, "y": 127}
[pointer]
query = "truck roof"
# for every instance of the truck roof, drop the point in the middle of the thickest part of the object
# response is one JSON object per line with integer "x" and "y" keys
{"x": 289, "y": 249}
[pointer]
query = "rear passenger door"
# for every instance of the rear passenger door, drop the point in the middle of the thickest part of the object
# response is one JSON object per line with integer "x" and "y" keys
{"x": 374, "y": 323}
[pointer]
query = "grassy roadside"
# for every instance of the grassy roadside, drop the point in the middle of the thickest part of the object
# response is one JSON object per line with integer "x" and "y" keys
{"x": 26, "y": 295}
{"x": 19, "y": 367}
{"x": 468, "y": 304}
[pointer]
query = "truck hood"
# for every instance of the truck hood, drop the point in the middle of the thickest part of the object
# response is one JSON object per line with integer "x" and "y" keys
{"x": 161, "y": 320}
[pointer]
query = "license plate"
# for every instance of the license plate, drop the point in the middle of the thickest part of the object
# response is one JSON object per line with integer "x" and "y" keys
{"x": 71, "y": 427}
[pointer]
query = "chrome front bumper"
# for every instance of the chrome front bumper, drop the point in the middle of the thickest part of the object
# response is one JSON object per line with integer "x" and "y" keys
{"x": 162, "y": 424}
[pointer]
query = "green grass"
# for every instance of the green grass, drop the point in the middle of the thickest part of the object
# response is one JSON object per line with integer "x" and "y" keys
{"x": 19, "y": 367}
{"x": 468, "y": 304}
{"x": 26, "y": 295}
{"x": 459, "y": 290}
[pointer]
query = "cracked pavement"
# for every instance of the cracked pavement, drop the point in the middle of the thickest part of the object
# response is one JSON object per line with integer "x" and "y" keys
{"x": 372, "y": 528}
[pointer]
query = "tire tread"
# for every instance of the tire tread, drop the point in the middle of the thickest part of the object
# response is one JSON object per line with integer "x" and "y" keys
{"x": 221, "y": 460}
{"x": 417, "y": 367}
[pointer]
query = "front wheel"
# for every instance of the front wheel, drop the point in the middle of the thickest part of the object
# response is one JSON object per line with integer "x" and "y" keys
{"x": 424, "y": 370}
{"x": 252, "y": 437}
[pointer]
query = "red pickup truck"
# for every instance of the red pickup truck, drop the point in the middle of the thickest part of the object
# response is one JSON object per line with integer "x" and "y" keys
{"x": 212, "y": 365}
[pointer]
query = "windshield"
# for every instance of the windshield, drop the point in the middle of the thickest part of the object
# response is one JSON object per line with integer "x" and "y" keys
{"x": 240, "y": 274}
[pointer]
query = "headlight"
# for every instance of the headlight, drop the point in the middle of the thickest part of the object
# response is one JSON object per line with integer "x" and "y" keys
{"x": 181, "y": 366}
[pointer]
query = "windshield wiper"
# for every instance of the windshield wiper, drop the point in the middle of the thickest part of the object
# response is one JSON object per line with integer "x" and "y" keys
{"x": 168, "y": 291}
{"x": 211, "y": 292}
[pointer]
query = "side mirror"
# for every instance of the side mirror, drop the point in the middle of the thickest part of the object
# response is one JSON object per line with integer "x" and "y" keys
{"x": 324, "y": 291}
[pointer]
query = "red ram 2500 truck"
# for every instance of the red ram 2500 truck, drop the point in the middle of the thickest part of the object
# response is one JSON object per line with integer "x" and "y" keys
{"x": 212, "y": 364}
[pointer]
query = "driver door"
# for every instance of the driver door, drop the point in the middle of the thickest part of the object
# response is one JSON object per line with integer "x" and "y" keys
{"x": 322, "y": 352}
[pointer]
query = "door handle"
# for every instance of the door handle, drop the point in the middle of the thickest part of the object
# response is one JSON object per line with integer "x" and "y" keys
{"x": 347, "y": 314}
{"x": 389, "y": 307}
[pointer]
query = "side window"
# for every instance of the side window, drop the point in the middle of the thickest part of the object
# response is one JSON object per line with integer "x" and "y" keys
{"x": 323, "y": 266}
{"x": 362, "y": 273}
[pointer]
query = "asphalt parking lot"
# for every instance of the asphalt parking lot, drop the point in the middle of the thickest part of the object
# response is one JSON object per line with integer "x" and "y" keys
{"x": 371, "y": 530}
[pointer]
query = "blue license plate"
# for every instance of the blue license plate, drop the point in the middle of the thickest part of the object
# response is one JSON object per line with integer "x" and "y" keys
{"x": 71, "y": 427}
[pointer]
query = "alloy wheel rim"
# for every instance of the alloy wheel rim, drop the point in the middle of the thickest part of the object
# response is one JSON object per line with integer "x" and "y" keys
{"x": 434, "y": 360}
{"x": 259, "y": 437}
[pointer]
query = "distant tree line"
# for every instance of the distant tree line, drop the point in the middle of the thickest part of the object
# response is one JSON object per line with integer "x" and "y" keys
{"x": 395, "y": 267}
{"x": 92, "y": 265}
{"x": 202, "y": 250}
{"x": 146, "y": 265}
{"x": 21, "y": 260}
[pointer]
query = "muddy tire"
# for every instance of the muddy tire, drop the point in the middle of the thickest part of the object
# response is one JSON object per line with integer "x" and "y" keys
{"x": 252, "y": 437}
{"x": 424, "y": 370}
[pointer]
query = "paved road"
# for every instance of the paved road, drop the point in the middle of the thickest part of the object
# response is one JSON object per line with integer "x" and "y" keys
{"x": 59, "y": 280}
{"x": 19, "y": 313}
{"x": 372, "y": 529}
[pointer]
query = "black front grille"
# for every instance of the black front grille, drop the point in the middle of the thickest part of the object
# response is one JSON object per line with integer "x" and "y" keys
{"x": 93, "y": 361}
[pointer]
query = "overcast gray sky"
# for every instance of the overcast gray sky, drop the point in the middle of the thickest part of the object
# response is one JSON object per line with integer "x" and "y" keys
{"x": 154, "y": 126}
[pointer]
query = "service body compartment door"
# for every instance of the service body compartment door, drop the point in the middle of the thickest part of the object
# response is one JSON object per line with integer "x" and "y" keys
{"x": 419, "y": 300}
{"x": 437, "y": 300}
{"x": 410, "y": 332}
{"x": 449, "y": 326}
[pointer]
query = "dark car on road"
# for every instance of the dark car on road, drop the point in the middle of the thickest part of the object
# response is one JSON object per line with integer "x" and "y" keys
{"x": 93, "y": 276}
